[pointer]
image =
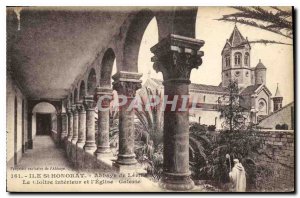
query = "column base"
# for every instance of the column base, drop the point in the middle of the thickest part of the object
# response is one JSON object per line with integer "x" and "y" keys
{"x": 178, "y": 182}
{"x": 74, "y": 141}
{"x": 103, "y": 152}
{"x": 126, "y": 160}
{"x": 90, "y": 146}
{"x": 80, "y": 144}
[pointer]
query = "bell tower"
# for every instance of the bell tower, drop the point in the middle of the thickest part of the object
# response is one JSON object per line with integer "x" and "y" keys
{"x": 236, "y": 60}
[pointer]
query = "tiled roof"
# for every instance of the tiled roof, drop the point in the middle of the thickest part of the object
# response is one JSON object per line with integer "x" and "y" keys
{"x": 210, "y": 88}
{"x": 236, "y": 38}
{"x": 250, "y": 89}
{"x": 202, "y": 87}
{"x": 260, "y": 65}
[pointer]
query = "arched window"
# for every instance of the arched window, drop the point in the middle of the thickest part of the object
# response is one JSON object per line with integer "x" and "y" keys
{"x": 203, "y": 98}
{"x": 227, "y": 60}
{"x": 262, "y": 106}
{"x": 237, "y": 58}
{"x": 246, "y": 59}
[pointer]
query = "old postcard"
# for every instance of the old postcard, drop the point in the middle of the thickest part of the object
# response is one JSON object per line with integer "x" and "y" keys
{"x": 150, "y": 99}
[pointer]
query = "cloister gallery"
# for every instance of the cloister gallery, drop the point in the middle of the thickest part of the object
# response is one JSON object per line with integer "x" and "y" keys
{"x": 65, "y": 58}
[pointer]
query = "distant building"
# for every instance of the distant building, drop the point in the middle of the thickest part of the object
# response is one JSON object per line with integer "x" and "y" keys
{"x": 236, "y": 65}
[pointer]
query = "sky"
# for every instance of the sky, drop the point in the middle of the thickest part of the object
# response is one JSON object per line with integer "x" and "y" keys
{"x": 277, "y": 58}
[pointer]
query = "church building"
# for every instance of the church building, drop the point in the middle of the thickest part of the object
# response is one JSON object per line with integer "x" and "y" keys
{"x": 236, "y": 66}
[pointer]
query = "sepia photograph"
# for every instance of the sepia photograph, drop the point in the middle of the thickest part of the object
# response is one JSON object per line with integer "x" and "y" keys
{"x": 196, "y": 99}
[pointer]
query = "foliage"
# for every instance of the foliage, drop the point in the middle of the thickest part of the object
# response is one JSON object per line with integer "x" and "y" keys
{"x": 149, "y": 135}
{"x": 240, "y": 145}
{"x": 282, "y": 127}
{"x": 232, "y": 112}
{"x": 272, "y": 19}
{"x": 149, "y": 125}
{"x": 211, "y": 128}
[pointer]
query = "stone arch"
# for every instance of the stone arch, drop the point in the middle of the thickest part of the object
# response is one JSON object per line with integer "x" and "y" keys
{"x": 133, "y": 39}
{"x": 262, "y": 106}
{"x": 184, "y": 23}
{"x": 177, "y": 20}
{"x": 50, "y": 106}
{"x": 70, "y": 99}
{"x": 247, "y": 59}
{"x": 106, "y": 68}
{"x": 91, "y": 82}
{"x": 82, "y": 91}
{"x": 56, "y": 104}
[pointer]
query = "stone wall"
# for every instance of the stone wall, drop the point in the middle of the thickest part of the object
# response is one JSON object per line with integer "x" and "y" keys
{"x": 16, "y": 125}
{"x": 277, "y": 152}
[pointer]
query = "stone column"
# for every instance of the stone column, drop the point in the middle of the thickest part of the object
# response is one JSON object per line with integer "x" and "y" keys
{"x": 175, "y": 56}
{"x": 64, "y": 126}
{"x": 126, "y": 84}
{"x": 29, "y": 133}
{"x": 81, "y": 125}
{"x": 70, "y": 124}
{"x": 58, "y": 116}
{"x": 75, "y": 124}
{"x": 89, "y": 105}
{"x": 103, "y": 147}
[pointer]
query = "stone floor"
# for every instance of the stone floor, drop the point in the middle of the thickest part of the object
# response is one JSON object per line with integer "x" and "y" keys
{"x": 44, "y": 154}
{"x": 53, "y": 161}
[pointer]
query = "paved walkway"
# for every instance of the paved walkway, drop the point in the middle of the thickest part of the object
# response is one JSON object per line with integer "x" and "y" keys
{"x": 44, "y": 154}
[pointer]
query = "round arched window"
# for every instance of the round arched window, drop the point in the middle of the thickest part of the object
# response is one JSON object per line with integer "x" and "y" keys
{"x": 262, "y": 106}
{"x": 237, "y": 58}
{"x": 246, "y": 59}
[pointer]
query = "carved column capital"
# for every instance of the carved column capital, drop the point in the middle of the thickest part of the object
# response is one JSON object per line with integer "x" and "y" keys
{"x": 63, "y": 113}
{"x": 126, "y": 83}
{"x": 101, "y": 92}
{"x": 80, "y": 107}
{"x": 69, "y": 111}
{"x": 175, "y": 56}
{"x": 89, "y": 103}
{"x": 74, "y": 109}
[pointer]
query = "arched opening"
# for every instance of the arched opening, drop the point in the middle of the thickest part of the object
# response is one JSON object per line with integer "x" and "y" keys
{"x": 237, "y": 58}
{"x": 81, "y": 91}
{"x": 44, "y": 119}
{"x": 91, "y": 82}
{"x": 247, "y": 59}
{"x": 227, "y": 60}
{"x": 133, "y": 39}
{"x": 262, "y": 107}
{"x": 75, "y": 96}
{"x": 70, "y": 99}
{"x": 107, "y": 65}
{"x": 149, "y": 39}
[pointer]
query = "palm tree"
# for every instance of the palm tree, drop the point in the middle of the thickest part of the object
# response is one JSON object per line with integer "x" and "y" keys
{"x": 149, "y": 124}
{"x": 273, "y": 19}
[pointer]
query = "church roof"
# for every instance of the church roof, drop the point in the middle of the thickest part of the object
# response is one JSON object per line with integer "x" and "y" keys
{"x": 199, "y": 87}
{"x": 236, "y": 38}
{"x": 260, "y": 65}
{"x": 250, "y": 89}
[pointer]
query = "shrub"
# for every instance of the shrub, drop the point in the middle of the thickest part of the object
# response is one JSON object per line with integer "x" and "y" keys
{"x": 211, "y": 128}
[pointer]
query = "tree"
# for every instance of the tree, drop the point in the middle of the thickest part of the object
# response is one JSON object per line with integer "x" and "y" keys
{"x": 232, "y": 112}
{"x": 149, "y": 125}
{"x": 272, "y": 19}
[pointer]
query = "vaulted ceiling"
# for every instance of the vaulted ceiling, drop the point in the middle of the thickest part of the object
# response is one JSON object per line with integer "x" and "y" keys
{"x": 54, "y": 45}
